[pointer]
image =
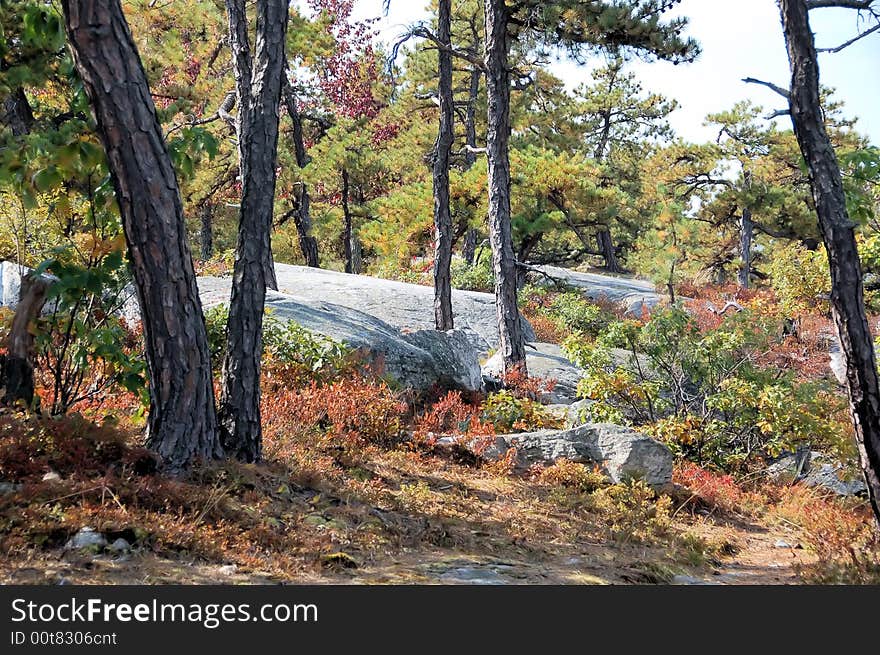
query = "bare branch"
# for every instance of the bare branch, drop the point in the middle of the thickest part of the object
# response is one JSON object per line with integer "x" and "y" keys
{"x": 843, "y": 4}
{"x": 773, "y": 87}
{"x": 846, "y": 44}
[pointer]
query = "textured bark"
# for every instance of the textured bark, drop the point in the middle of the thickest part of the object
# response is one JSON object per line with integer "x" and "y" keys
{"x": 349, "y": 238}
{"x": 18, "y": 368}
{"x": 511, "y": 341}
{"x": 206, "y": 233}
{"x": 608, "y": 251}
{"x": 746, "y": 233}
{"x": 442, "y": 149}
{"x": 469, "y": 248}
{"x": 302, "y": 218}
{"x": 181, "y": 426}
{"x": 470, "y": 123}
{"x": 847, "y": 292}
{"x": 258, "y": 85}
{"x": 17, "y": 114}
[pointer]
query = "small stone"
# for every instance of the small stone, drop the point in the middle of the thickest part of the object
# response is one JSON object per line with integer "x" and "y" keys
{"x": 8, "y": 488}
{"x": 228, "y": 569}
{"x": 119, "y": 546}
{"x": 781, "y": 543}
{"x": 51, "y": 476}
{"x": 87, "y": 539}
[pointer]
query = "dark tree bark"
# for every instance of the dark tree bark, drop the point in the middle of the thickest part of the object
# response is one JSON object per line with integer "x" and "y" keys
{"x": 746, "y": 233}
{"x": 847, "y": 292}
{"x": 17, "y": 365}
{"x": 17, "y": 114}
{"x": 302, "y": 218}
{"x": 258, "y": 84}
{"x": 442, "y": 149}
{"x": 469, "y": 248}
{"x": 511, "y": 341}
{"x": 206, "y": 233}
{"x": 181, "y": 426}
{"x": 350, "y": 245}
{"x": 608, "y": 251}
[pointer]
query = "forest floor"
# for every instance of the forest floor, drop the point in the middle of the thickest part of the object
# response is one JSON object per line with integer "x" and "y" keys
{"x": 372, "y": 515}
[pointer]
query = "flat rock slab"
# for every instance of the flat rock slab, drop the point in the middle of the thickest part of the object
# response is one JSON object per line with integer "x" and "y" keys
{"x": 418, "y": 360}
{"x": 623, "y": 453}
{"x": 632, "y": 294}
{"x": 402, "y": 305}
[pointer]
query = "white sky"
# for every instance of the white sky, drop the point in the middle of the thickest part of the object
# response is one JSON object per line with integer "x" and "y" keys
{"x": 745, "y": 42}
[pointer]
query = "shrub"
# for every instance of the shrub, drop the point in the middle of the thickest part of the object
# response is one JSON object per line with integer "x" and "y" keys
{"x": 508, "y": 413}
{"x": 576, "y": 314}
{"x": 83, "y": 348}
{"x": 704, "y": 393}
{"x": 356, "y": 409}
{"x": 451, "y": 416}
{"x": 800, "y": 278}
{"x": 633, "y": 511}
{"x": 573, "y": 475}
{"x": 478, "y": 277}
{"x": 290, "y": 352}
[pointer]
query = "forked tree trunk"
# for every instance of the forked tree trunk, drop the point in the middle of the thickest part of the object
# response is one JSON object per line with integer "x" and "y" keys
{"x": 302, "y": 218}
{"x": 609, "y": 253}
{"x": 181, "y": 426}
{"x": 847, "y": 292}
{"x": 17, "y": 365}
{"x": 258, "y": 84}
{"x": 442, "y": 149}
{"x": 511, "y": 342}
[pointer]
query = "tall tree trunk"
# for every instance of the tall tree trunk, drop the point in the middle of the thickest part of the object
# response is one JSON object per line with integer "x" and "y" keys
{"x": 511, "y": 342}
{"x": 17, "y": 365}
{"x": 258, "y": 84}
{"x": 609, "y": 253}
{"x": 349, "y": 239}
{"x": 181, "y": 426}
{"x": 469, "y": 248}
{"x": 746, "y": 232}
{"x": 302, "y": 218}
{"x": 206, "y": 233}
{"x": 442, "y": 212}
{"x": 847, "y": 292}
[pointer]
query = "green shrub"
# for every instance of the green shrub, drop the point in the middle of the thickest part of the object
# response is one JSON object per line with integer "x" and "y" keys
{"x": 703, "y": 392}
{"x": 478, "y": 277}
{"x": 288, "y": 348}
{"x": 511, "y": 414}
{"x": 83, "y": 349}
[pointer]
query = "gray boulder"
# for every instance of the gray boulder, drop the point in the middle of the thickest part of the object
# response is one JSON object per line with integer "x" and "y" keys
{"x": 419, "y": 360}
{"x": 622, "y": 453}
{"x": 87, "y": 539}
{"x": 816, "y": 469}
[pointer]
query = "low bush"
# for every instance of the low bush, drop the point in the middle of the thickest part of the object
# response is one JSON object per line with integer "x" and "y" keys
{"x": 291, "y": 353}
